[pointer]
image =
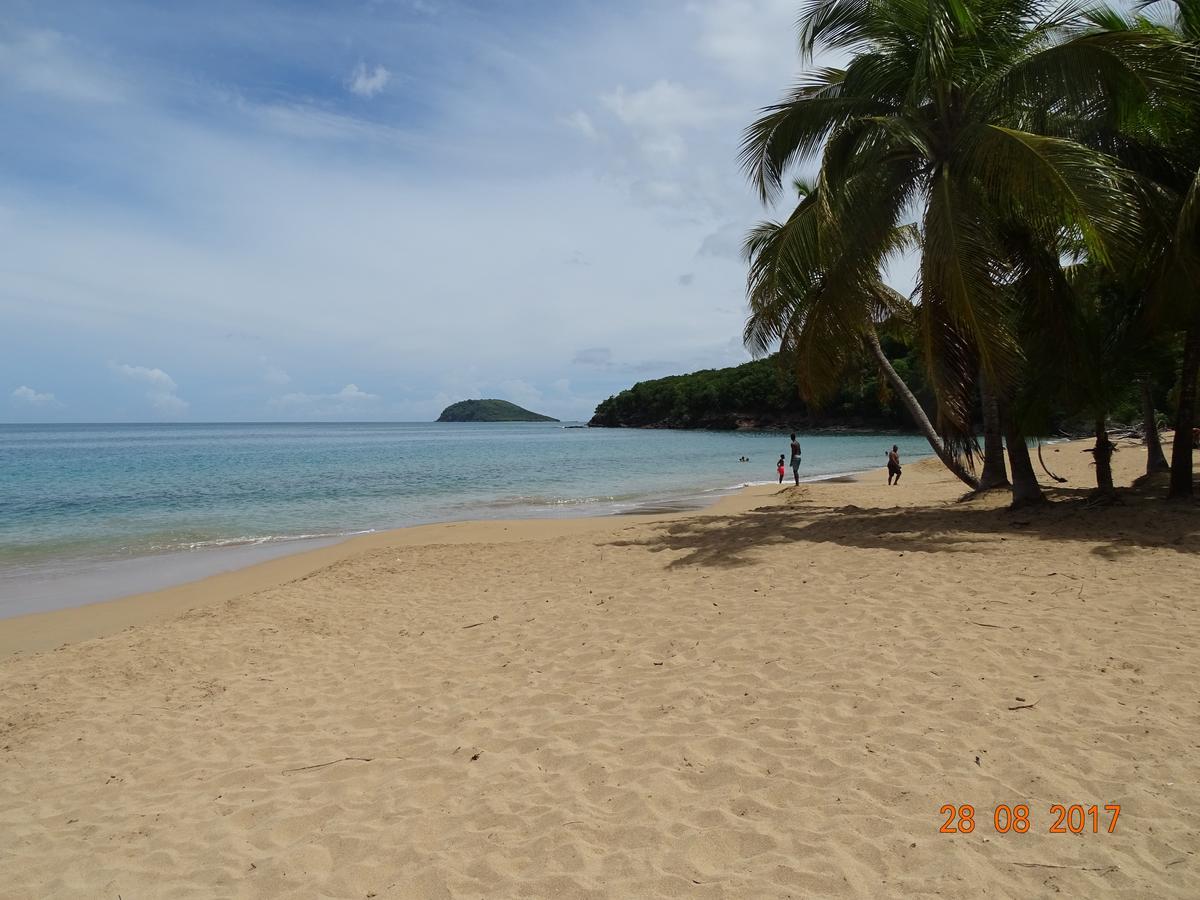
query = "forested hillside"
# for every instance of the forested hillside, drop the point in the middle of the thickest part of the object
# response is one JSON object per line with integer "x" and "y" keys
{"x": 762, "y": 394}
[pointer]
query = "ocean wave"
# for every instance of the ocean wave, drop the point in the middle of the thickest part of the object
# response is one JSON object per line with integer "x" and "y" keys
{"x": 252, "y": 540}
{"x": 537, "y": 500}
{"x": 804, "y": 479}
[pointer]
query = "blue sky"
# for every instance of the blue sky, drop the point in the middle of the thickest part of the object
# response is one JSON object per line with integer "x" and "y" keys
{"x": 367, "y": 210}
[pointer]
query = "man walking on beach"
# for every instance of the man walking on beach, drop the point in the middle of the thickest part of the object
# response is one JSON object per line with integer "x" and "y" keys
{"x": 796, "y": 460}
{"x": 893, "y": 458}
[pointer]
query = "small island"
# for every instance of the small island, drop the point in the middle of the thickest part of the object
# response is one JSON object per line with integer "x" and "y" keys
{"x": 489, "y": 411}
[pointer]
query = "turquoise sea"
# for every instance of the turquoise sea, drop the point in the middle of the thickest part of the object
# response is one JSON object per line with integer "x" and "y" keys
{"x": 93, "y": 511}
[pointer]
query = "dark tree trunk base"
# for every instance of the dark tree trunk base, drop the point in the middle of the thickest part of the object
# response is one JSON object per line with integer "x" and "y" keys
{"x": 1155, "y": 460}
{"x": 988, "y": 482}
{"x": 1181, "y": 451}
{"x": 1025, "y": 488}
{"x": 994, "y": 474}
{"x": 1038, "y": 499}
{"x": 1102, "y": 453}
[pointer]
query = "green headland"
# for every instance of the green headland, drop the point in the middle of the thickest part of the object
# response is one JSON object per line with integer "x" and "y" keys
{"x": 489, "y": 411}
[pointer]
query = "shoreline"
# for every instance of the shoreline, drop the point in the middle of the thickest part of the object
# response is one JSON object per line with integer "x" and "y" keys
{"x": 35, "y": 631}
{"x": 80, "y": 536}
{"x": 257, "y": 567}
{"x": 152, "y": 574}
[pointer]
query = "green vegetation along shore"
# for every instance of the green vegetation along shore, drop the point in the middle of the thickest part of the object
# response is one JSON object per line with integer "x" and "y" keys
{"x": 764, "y": 394}
{"x": 758, "y": 394}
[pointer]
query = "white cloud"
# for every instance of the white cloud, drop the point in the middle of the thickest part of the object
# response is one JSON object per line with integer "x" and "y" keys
{"x": 45, "y": 62}
{"x": 273, "y": 374}
{"x": 350, "y": 400}
{"x": 169, "y": 404}
{"x": 582, "y": 123}
{"x": 368, "y": 82}
{"x": 660, "y": 192}
{"x": 308, "y": 122}
{"x": 659, "y": 115}
{"x": 160, "y": 387}
{"x": 156, "y": 378}
{"x": 663, "y": 106}
{"x": 352, "y": 393}
{"x": 752, "y": 40}
{"x": 27, "y": 396}
{"x": 666, "y": 149}
{"x": 522, "y": 393}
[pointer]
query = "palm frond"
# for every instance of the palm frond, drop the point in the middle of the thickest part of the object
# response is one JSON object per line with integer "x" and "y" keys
{"x": 793, "y": 131}
{"x": 813, "y": 285}
{"x": 1109, "y": 74}
{"x": 1052, "y": 183}
{"x": 959, "y": 275}
{"x": 833, "y": 24}
{"x": 1187, "y": 234}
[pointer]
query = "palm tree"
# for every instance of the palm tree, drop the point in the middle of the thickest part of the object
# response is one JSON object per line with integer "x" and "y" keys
{"x": 1100, "y": 355}
{"x": 947, "y": 105}
{"x": 820, "y": 306}
{"x": 993, "y": 474}
{"x": 1161, "y": 144}
{"x": 1155, "y": 460}
{"x": 1186, "y": 256}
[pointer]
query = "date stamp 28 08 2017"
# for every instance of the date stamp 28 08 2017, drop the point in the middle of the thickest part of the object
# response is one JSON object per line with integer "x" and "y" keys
{"x": 1062, "y": 819}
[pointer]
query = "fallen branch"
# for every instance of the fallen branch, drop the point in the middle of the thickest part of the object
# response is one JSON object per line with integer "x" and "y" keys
{"x": 1104, "y": 869}
{"x": 1057, "y": 478}
{"x": 1024, "y": 706}
{"x": 986, "y": 625}
{"x": 476, "y": 625}
{"x": 333, "y": 762}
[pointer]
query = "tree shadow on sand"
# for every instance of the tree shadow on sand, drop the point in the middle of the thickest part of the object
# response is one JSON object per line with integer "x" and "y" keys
{"x": 1138, "y": 519}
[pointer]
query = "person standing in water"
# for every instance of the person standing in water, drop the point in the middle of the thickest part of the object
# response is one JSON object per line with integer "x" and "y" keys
{"x": 779, "y": 468}
{"x": 796, "y": 460}
{"x": 893, "y": 458}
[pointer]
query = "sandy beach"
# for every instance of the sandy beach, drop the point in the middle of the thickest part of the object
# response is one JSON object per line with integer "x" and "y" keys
{"x": 772, "y": 697}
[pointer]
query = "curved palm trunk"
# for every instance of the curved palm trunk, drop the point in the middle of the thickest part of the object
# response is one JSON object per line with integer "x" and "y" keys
{"x": 994, "y": 474}
{"x": 1025, "y": 488}
{"x": 1155, "y": 460}
{"x": 918, "y": 414}
{"x": 1181, "y": 451}
{"x": 1103, "y": 452}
